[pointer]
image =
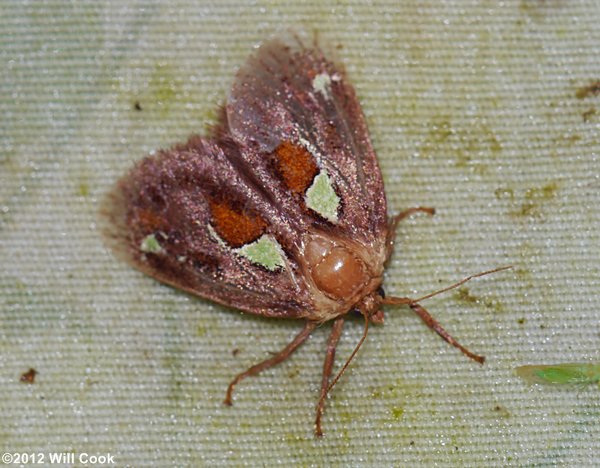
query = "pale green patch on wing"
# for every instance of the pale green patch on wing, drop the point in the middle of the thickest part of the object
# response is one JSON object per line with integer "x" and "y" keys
{"x": 150, "y": 244}
{"x": 265, "y": 252}
{"x": 322, "y": 84}
{"x": 215, "y": 236}
{"x": 321, "y": 197}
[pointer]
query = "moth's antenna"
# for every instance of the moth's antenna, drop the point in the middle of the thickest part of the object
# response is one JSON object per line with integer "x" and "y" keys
{"x": 362, "y": 340}
{"x": 433, "y": 323}
{"x": 463, "y": 281}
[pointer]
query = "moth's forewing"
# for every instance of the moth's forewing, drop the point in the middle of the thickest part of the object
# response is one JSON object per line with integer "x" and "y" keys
{"x": 290, "y": 93}
{"x": 169, "y": 216}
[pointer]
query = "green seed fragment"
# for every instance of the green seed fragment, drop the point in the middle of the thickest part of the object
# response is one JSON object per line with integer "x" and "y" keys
{"x": 569, "y": 373}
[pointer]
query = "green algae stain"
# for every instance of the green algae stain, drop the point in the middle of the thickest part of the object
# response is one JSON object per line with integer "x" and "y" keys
{"x": 397, "y": 412}
{"x": 545, "y": 192}
{"x": 467, "y": 145}
{"x": 531, "y": 205}
{"x": 592, "y": 89}
{"x": 294, "y": 372}
{"x": 394, "y": 396}
{"x": 163, "y": 91}
{"x": 504, "y": 193}
{"x": 83, "y": 189}
{"x": 502, "y": 412}
{"x": 163, "y": 84}
{"x": 523, "y": 274}
{"x": 464, "y": 295}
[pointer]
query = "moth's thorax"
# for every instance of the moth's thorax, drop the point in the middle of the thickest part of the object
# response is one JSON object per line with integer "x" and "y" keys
{"x": 341, "y": 271}
{"x": 335, "y": 269}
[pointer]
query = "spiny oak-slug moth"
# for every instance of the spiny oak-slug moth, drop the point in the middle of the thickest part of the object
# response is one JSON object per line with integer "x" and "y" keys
{"x": 279, "y": 212}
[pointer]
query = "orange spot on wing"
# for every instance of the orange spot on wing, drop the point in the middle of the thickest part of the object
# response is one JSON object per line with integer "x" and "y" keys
{"x": 148, "y": 221}
{"x": 235, "y": 227}
{"x": 311, "y": 73}
{"x": 296, "y": 166}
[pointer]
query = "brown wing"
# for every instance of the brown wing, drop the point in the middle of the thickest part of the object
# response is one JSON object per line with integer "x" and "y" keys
{"x": 288, "y": 94}
{"x": 183, "y": 217}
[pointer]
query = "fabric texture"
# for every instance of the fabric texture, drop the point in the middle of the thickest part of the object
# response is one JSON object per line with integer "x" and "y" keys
{"x": 487, "y": 111}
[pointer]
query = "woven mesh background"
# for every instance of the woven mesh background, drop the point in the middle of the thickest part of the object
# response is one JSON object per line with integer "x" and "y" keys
{"x": 477, "y": 108}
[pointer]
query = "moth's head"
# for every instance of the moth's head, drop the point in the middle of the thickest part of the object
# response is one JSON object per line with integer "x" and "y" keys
{"x": 370, "y": 305}
{"x": 377, "y": 317}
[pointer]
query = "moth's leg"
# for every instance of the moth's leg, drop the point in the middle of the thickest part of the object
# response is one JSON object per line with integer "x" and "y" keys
{"x": 433, "y": 323}
{"x": 279, "y": 357}
{"x": 332, "y": 342}
{"x": 406, "y": 213}
{"x": 394, "y": 220}
{"x": 437, "y": 327}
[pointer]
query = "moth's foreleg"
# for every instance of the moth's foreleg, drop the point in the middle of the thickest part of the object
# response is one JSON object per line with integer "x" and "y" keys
{"x": 437, "y": 327}
{"x": 332, "y": 342}
{"x": 394, "y": 220}
{"x": 409, "y": 212}
{"x": 279, "y": 357}
{"x": 433, "y": 323}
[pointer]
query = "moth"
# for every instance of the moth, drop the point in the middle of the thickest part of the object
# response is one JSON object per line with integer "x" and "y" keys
{"x": 280, "y": 211}
{"x": 569, "y": 373}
